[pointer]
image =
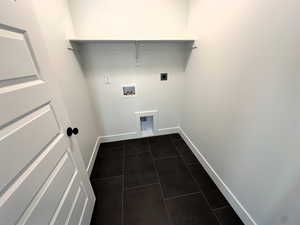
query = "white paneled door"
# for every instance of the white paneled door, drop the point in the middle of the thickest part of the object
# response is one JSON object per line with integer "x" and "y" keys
{"x": 42, "y": 176}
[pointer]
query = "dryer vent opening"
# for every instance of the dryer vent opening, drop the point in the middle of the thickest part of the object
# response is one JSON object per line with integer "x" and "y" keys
{"x": 146, "y": 125}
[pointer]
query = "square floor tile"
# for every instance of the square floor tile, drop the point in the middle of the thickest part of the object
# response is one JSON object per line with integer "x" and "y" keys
{"x": 139, "y": 170}
{"x": 215, "y": 198}
{"x": 190, "y": 210}
{"x": 184, "y": 150}
{"x": 115, "y": 144}
{"x": 109, "y": 162}
{"x": 108, "y": 207}
{"x": 162, "y": 147}
{"x": 227, "y": 216}
{"x": 136, "y": 146}
{"x": 160, "y": 138}
{"x": 111, "y": 152}
{"x": 202, "y": 178}
{"x": 175, "y": 136}
{"x": 145, "y": 206}
{"x": 175, "y": 177}
{"x": 107, "y": 167}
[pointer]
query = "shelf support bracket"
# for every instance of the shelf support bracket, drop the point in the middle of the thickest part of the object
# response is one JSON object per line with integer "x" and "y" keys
{"x": 137, "y": 54}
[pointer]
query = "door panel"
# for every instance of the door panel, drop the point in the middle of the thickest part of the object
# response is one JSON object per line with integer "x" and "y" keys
{"x": 86, "y": 213}
{"x": 83, "y": 210}
{"x": 16, "y": 60}
{"x": 13, "y": 202}
{"x": 42, "y": 176}
{"x": 21, "y": 99}
{"x": 78, "y": 209}
{"x": 24, "y": 130}
{"x": 65, "y": 206}
{"x": 46, "y": 202}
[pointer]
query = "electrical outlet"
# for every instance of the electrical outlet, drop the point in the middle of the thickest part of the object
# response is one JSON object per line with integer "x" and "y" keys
{"x": 107, "y": 78}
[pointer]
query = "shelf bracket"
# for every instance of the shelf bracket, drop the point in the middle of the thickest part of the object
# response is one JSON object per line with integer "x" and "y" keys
{"x": 72, "y": 49}
{"x": 137, "y": 53}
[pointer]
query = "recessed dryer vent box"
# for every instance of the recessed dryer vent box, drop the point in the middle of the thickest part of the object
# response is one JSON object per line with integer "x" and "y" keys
{"x": 146, "y": 123}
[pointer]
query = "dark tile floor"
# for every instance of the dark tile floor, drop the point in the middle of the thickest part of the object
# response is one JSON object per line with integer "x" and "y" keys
{"x": 155, "y": 181}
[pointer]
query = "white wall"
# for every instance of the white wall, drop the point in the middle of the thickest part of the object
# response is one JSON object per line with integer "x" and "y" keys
{"x": 131, "y": 18}
{"x": 241, "y": 105}
{"x": 116, "y": 113}
{"x": 55, "y": 22}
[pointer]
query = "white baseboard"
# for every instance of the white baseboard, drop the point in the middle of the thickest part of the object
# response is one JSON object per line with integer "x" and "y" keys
{"x": 93, "y": 157}
{"x": 118, "y": 137}
{"x": 169, "y": 130}
{"x": 133, "y": 135}
{"x": 234, "y": 202}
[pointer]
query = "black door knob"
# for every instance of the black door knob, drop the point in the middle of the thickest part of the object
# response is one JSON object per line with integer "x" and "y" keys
{"x": 75, "y": 131}
{"x": 71, "y": 131}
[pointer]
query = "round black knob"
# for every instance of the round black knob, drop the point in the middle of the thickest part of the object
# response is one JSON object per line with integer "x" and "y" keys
{"x": 75, "y": 131}
{"x": 71, "y": 131}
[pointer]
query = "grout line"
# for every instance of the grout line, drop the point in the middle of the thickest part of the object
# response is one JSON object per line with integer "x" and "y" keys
{"x": 192, "y": 164}
{"x": 105, "y": 178}
{"x": 223, "y": 207}
{"x": 140, "y": 186}
{"x": 181, "y": 155}
{"x": 183, "y": 195}
{"x": 139, "y": 153}
{"x": 201, "y": 191}
{"x": 168, "y": 213}
{"x": 188, "y": 169}
{"x": 207, "y": 202}
{"x": 172, "y": 141}
{"x": 123, "y": 188}
{"x": 160, "y": 186}
{"x": 214, "y": 213}
{"x": 155, "y": 169}
{"x": 167, "y": 157}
